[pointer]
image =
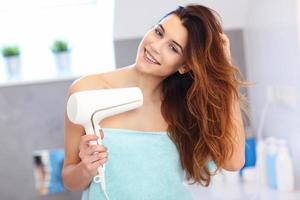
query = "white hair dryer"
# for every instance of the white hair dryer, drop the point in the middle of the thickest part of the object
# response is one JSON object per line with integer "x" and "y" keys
{"x": 88, "y": 108}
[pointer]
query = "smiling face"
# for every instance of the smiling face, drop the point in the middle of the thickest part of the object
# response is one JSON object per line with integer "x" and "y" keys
{"x": 162, "y": 50}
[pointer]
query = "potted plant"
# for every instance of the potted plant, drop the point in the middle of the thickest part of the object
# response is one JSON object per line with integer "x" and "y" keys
{"x": 62, "y": 55}
{"x": 11, "y": 55}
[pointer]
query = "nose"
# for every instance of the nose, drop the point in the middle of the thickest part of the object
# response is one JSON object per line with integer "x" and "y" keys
{"x": 156, "y": 46}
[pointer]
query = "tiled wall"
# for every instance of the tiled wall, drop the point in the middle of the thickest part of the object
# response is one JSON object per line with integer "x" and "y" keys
{"x": 31, "y": 118}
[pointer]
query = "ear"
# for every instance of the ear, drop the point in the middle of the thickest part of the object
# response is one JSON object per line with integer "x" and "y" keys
{"x": 183, "y": 69}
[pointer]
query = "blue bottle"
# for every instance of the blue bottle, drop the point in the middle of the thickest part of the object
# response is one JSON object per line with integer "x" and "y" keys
{"x": 250, "y": 152}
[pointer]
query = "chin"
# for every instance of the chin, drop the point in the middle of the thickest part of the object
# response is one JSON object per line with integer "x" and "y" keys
{"x": 143, "y": 67}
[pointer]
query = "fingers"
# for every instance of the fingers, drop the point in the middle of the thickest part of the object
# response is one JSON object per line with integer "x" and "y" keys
{"x": 95, "y": 149}
{"x": 92, "y": 168}
{"x": 86, "y": 139}
{"x": 84, "y": 143}
{"x": 224, "y": 37}
{"x": 92, "y": 162}
{"x": 95, "y": 157}
{"x": 225, "y": 40}
{"x": 91, "y": 150}
{"x": 92, "y": 156}
{"x": 226, "y": 45}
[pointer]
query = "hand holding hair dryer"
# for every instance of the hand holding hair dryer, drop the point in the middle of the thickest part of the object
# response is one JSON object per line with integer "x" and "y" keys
{"x": 88, "y": 108}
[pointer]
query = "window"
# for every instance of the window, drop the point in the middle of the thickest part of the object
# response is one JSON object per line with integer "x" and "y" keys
{"x": 87, "y": 25}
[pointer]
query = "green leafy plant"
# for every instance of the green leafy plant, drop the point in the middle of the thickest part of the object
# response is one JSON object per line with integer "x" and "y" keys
{"x": 10, "y": 50}
{"x": 60, "y": 46}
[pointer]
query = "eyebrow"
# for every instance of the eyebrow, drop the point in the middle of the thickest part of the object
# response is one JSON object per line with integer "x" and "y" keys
{"x": 172, "y": 40}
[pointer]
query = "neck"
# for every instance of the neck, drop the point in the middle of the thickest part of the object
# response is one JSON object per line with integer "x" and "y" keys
{"x": 151, "y": 86}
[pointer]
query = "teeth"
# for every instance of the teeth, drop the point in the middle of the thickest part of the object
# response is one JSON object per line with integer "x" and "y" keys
{"x": 150, "y": 57}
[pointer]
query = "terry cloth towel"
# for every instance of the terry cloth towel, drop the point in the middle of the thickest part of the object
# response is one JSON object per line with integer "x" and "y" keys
{"x": 142, "y": 165}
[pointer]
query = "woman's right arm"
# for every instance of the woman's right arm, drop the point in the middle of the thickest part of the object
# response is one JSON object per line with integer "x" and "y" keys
{"x": 81, "y": 160}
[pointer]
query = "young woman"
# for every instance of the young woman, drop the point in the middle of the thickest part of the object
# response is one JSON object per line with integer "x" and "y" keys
{"x": 190, "y": 116}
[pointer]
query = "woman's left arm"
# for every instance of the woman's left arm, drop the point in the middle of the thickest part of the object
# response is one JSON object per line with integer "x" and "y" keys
{"x": 237, "y": 160}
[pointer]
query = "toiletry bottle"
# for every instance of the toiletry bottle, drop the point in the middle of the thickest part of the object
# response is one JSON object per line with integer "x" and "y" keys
{"x": 284, "y": 168}
{"x": 271, "y": 161}
{"x": 260, "y": 163}
{"x": 216, "y": 188}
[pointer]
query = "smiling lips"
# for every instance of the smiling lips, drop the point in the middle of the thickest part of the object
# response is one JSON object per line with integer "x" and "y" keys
{"x": 149, "y": 58}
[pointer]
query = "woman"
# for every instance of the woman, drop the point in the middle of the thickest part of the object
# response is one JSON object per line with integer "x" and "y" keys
{"x": 191, "y": 114}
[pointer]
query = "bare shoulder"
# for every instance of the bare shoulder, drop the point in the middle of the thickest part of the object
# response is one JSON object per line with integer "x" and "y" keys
{"x": 111, "y": 79}
{"x": 89, "y": 82}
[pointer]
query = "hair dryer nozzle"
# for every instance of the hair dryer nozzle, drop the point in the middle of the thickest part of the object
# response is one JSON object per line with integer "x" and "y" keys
{"x": 84, "y": 105}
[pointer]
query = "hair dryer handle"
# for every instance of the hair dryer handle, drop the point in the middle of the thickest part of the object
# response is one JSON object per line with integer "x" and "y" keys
{"x": 100, "y": 178}
{"x": 90, "y": 131}
{"x": 97, "y": 132}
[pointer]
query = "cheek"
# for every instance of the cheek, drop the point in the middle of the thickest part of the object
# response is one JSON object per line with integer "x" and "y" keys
{"x": 144, "y": 42}
{"x": 172, "y": 60}
{"x": 141, "y": 45}
{"x": 171, "y": 66}
{"x": 148, "y": 38}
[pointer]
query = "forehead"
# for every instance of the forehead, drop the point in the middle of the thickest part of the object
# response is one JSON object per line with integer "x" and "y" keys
{"x": 175, "y": 30}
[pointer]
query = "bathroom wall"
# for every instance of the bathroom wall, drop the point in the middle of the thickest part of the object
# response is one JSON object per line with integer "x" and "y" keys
{"x": 134, "y": 17}
{"x": 31, "y": 119}
{"x": 272, "y": 52}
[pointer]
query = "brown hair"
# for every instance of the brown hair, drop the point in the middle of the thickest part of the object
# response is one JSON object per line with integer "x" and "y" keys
{"x": 197, "y": 105}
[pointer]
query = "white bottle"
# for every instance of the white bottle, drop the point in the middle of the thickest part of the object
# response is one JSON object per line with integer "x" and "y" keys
{"x": 260, "y": 165}
{"x": 284, "y": 169}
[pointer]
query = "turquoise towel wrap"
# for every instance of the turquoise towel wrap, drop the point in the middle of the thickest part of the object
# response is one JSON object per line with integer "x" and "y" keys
{"x": 141, "y": 166}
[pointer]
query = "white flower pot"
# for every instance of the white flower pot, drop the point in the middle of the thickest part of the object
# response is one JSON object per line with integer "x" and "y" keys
{"x": 63, "y": 63}
{"x": 13, "y": 67}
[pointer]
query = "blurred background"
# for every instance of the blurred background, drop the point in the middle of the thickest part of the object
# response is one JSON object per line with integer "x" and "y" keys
{"x": 46, "y": 45}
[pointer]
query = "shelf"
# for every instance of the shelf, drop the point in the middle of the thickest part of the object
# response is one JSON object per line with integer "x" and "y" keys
{"x": 14, "y": 83}
{"x": 236, "y": 191}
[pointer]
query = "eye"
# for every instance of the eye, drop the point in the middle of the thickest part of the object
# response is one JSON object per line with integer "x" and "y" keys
{"x": 158, "y": 32}
{"x": 173, "y": 48}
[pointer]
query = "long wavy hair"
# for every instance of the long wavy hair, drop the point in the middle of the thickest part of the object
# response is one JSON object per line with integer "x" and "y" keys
{"x": 197, "y": 105}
